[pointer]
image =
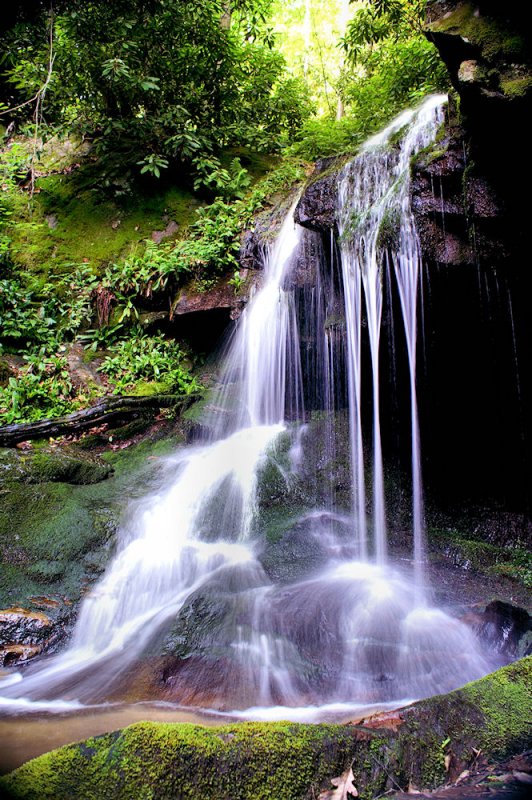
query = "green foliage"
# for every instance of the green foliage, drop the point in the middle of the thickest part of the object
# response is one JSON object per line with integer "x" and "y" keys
{"x": 229, "y": 183}
{"x": 307, "y": 33}
{"x": 40, "y": 317}
{"x": 389, "y": 65}
{"x": 326, "y": 136}
{"x": 157, "y": 85}
{"x": 517, "y": 567}
{"x": 153, "y": 164}
{"x": 208, "y": 252}
{"x": 41, "y": 389}
{"x": 13, "y": 166}
{"x": 26, "y": 318}
{"x": 236, "y": 281}
{"x": 148, "y": 358}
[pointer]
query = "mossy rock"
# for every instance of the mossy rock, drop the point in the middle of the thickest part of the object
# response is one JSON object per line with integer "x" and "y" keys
{"x": 278, "y": 761}
{"x": 52, "y": 465}
{"x": 294, "y": 548}
{"x": 322, "y": 476}
{"x": 495, "y": 38}
{"x": 197, "y": 625}
{"x": 57, "y": 525}
{"x": 87, "y": 226}
{"x": 283, "y": 761}
{"x": 440, "y": 737}
{"x": 513, "y": 562}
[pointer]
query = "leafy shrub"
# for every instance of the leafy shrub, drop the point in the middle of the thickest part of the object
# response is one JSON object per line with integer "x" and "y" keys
{"x": 41, "y": 389}
{"x": 148, "y": 358}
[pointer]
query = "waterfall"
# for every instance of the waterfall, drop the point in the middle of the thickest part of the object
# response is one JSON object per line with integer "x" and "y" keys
{"x": 347, "y": 629}
{"x": 199, "y": 525}
{"x": 377, "y": 229}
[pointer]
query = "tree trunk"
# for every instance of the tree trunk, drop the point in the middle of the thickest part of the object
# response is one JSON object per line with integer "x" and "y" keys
{"x": 111, "y": 409}
{"x": 225, "y": 20}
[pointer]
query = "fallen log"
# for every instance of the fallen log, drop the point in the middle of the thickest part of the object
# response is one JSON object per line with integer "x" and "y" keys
{"x": 109, "y": 409}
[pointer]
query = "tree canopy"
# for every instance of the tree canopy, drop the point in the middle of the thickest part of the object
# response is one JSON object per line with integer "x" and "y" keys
{"x": 155, "y": 82}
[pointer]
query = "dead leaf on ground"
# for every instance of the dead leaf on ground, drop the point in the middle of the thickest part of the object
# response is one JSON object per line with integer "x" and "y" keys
{"x": 345, "y": 788}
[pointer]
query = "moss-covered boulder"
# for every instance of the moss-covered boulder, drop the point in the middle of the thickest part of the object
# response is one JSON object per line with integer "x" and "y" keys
{"x": 54, "y": 465}
{"x": 150, "y": 760}
{"x": 423, "y": 745}
{"x": 59, "y": 514}
{"x": 432, "y": 742}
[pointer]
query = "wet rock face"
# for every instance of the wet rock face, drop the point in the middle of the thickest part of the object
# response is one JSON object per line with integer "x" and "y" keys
{"x": 506, "y": 629}
{"x": 24, "y": 634}
{"x": 317, "y": 207}
{"x": 459, "y": 216}
{"x": 266, "y": 227}
{"x": 221, "y": 297}
{"x": 52, "y": 465}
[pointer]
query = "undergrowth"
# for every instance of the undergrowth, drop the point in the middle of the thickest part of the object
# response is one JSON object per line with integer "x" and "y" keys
{"x": 99, "y": 307}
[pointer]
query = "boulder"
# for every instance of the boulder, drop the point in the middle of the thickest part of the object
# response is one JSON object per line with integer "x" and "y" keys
{"x": 506, "y": 629}
{"x": 422, "y": 746}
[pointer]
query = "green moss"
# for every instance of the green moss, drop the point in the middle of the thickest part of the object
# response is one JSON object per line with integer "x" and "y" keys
{"x": 259, "y": 761}
{"x": 491, "y": 715}
{"x": 517, "y": 87}
{"x": 56, "y": 536}
{"x": 60, "y": 467}
{"x": 505, "y": 699}
{"x": 512, "y": 562}
{"x": 86, "y": 226}
{"x": 337, "y": 163}
{"x": 274, "y": 522}
{"x": 149, "y": 388}
{"x": 495, "y": 38}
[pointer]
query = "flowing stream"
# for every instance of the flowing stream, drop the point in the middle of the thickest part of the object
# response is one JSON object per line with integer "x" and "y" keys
{"x": 351, "y": 629}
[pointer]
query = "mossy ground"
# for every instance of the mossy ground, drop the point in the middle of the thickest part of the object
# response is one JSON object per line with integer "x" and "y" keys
{"x": 88, "y": 227}
{"x": 71, "y": 219}
{"x": 465, "y": 552}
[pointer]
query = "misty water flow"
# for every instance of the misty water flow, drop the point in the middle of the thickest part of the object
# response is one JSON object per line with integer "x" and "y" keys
{"x": 378, "y": 233}
{"x": 291, "y": 596}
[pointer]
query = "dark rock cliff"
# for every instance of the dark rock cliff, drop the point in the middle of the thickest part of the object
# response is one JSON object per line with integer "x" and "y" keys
{"x": 487, "y": 49}
{"x": 474, "y": 378}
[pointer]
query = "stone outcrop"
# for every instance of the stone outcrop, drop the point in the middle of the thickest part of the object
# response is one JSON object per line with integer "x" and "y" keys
{"x": 507, "y": 629}
{"x": 23, "y": 634}
{"x": 222, "y": 296}
{"x": 317, "y": 206}
{"x": 460, "y": 218}
{"x": 486, "y": 46}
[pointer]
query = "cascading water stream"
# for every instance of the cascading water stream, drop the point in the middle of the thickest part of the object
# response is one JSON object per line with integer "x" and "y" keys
{"x": 186, "y": 535}
{"x": 376, "y": 227}
{"x": 344, "y": 630}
